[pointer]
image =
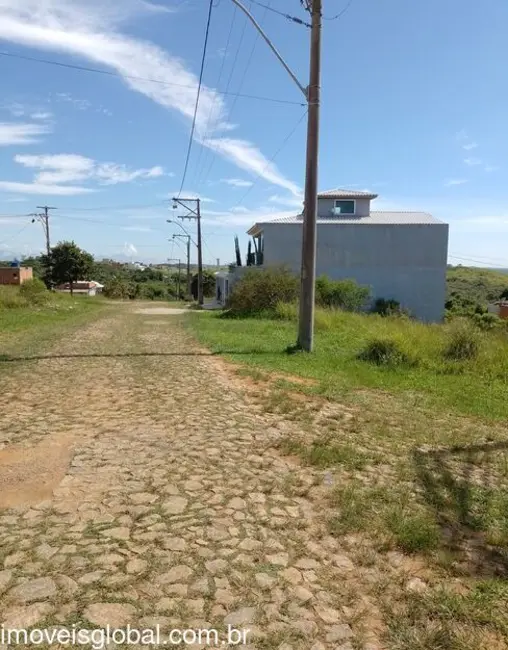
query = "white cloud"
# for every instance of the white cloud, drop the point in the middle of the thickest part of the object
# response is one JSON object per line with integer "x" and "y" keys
{"x": 472, "y": 161}
{"x": 491, "y": 168}
{"x": 455, "y": 181}
{"x": 66, "y": 168}
{"x": 15, "y": 199}
{"x": 130, "y": 249}
{"x": 91, "y": 29}
{"x": 41, "y": 115}
{"x": 289, "y": 201}
{"x": 465, "y": 141}
{"x": 21, "y": 133}
{"x": 137, "y": 228}
{"x": 112, "y": 174}
{"x": 248, "y": 157}
{"x": 236, "y": 182}
{"x": 42, "y": 188}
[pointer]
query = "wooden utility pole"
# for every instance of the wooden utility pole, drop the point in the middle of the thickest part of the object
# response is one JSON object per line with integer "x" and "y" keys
{"x": 176, "y": 259}
{"x": 189, "y": 280}
{"x": 194, "y": 214}
{"x": 44, "y": 220}
{"x": 309, "y": 235}
{"x": 312, "y": 95}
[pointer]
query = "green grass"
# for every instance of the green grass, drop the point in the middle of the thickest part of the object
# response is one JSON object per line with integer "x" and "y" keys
{"x": 27, "y": 330}
{"x": 472, "y": 386}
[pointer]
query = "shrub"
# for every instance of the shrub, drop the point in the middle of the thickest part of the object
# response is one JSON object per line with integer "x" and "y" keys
{"x": 487, "y": 321}
{"x": 342, "y": 294}
{"x": 154, "y": 291}
{"x": 463, "y": 342}
{"x": 260, "y": 291}
{"x": 384, "y": 352}
{"x": 34, "y": 292}
{"x": 389, "y": 307}
{"x": 120, "y": 289}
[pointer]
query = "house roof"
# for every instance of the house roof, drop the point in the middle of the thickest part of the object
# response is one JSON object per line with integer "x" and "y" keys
{"x": 373, "y": 219}
{"x": 339, "y": 193}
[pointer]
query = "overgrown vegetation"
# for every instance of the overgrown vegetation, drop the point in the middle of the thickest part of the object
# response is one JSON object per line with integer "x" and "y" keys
{"x": 471, "y": 289}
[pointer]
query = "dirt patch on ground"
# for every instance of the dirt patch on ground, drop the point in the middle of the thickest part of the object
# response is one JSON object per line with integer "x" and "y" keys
{"x": 28, "y": 475}
{"x": 160, "y": 311}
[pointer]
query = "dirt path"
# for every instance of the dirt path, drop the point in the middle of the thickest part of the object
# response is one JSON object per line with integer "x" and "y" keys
{"x": 137, "y": 486}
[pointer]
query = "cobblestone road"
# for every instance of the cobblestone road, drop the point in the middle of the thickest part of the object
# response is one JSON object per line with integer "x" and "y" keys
{"x": 139, "y": 486}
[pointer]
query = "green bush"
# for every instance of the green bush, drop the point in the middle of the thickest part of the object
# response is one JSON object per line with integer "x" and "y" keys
{"x": 260, "y": 291}
{"x": 154, "y": 291}
{"x": 389, "y": 307}
{"x": 341, "y": 294}
{"x": 34, "y": 292}
{"x": 384, "y": 352}
{"x": 487, "y": 321}
{"x": 463, "y": 342}
{"x": 120, "y": 289}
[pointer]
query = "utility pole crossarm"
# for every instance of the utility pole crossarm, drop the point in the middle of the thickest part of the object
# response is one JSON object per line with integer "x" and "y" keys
{"x": 272, "y": 47}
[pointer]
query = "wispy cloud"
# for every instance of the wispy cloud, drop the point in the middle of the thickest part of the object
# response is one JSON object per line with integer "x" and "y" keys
{"x": 42, "y": 188}
{"x": 236, "y": 182}
{"x": 472, "y": 161}
{"x": 248, "y": 157}
{"x": 465, "y": 141}
{"x": 66, "y": 168}
{"x": 289, "y": 201}
{"x": 455, "y": 181}
{"x": 21, "y": 133}
{"x": 137, "y": 228}
{"x": 491, "y": 168}
{"x": 92, "y": 29}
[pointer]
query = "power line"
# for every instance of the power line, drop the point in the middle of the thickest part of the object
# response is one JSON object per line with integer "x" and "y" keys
{"x": 127, "y": 76}
{"x": 270, "y": 161}
{"x": 294, "y": 19}
{"x": 203, "y": 58}
{"x": 235, "y": 59}
{"x": 213, "y": 104}
{"x": 341, "y": 13}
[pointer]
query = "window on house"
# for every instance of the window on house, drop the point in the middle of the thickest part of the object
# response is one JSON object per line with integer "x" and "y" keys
{"x": 344, "y": 207}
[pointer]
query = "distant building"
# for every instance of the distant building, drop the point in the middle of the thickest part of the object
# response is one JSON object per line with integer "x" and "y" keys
{"x": 82, "y": 287}
{"x": 15, "y": 275}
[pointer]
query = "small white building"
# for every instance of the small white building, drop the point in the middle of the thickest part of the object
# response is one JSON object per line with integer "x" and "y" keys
{"x": 399, "y": 255}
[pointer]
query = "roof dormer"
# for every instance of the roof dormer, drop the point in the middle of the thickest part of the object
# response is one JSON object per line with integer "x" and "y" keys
{"x": 344, "y": 203}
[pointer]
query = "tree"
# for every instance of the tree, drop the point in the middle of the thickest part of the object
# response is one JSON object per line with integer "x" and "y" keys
{"x": 237, "y": 252}
{"x": 504, "y": 295}
{"x": 67, "y": 263}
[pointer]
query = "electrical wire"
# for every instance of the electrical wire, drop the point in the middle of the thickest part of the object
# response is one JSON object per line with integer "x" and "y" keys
{"x": 341, "y": 13}
{"x": 235, "y": 59}
{"x": 271, "y": 160}
{"x": 193, "y": 127}
{"x": 126, "y": 76}
{"x": 294, "y": 19}
{"x": 214, "y": 103}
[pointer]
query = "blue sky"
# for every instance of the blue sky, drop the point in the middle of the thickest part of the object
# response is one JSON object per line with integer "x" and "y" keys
{"x": 414, "y": 106}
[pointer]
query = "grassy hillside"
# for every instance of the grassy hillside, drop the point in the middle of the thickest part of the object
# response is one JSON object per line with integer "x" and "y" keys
{"x": 475, "y": 285}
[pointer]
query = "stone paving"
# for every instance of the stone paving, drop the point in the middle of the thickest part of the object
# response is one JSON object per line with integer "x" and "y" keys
{"x": 173, "y": 507}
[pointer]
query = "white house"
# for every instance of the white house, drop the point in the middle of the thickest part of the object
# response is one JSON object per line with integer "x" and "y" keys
{"x": 399, "y": 255}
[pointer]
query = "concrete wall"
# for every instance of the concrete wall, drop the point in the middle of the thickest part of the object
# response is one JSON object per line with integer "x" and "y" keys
{"x": 403, "y": 262}
{"x": 325, "y": 207}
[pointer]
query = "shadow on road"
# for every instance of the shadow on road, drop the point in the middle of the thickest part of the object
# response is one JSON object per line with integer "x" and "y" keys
{"x": 5, "y": 358}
